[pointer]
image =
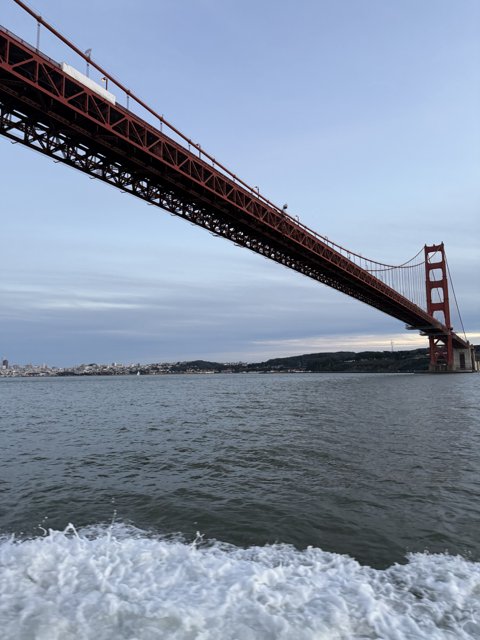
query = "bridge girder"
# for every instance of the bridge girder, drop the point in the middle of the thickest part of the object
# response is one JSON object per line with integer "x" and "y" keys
{"x": 46, "y": 110}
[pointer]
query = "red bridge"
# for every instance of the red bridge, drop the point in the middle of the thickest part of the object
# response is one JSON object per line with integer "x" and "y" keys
{"x": 55, "y": 109}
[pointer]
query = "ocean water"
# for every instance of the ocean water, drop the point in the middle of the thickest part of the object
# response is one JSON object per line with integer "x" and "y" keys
{"x": 240, "y": 506}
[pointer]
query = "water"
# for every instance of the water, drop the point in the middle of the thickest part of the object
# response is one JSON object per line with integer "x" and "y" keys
{"x": 326, "y": 506}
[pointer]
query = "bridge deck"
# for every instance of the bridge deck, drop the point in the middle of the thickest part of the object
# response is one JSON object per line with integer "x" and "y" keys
{"x": 43, "y": 107}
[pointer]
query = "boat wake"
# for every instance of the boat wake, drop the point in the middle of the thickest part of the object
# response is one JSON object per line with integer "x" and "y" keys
{"x": 118, "y": 582}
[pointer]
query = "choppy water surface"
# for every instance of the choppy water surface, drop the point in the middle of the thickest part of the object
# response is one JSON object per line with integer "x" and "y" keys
{"x": 305, "y": 489}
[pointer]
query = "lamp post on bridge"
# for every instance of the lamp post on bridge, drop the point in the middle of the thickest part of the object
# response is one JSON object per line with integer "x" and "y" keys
{"x": 88, "y": 53}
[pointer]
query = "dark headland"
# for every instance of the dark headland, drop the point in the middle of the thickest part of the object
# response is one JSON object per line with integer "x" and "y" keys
{"x": 411, "y": 361}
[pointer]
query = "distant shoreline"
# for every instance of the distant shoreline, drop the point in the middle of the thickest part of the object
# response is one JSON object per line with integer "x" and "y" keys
{"x": 198, "y": 373}
{"x": 412, "y": 361}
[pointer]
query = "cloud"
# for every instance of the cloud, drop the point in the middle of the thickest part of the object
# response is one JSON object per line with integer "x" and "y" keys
{"x": 342, "y": 342}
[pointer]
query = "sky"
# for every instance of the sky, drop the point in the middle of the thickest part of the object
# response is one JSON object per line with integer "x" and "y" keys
{"x": 362, "y": 115}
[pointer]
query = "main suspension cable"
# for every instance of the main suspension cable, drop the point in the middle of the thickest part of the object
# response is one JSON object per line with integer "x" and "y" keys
{"x": 455, "y": 298}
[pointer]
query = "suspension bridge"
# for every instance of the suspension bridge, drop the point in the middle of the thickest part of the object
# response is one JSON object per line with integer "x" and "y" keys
{"x": 55, "y": 109}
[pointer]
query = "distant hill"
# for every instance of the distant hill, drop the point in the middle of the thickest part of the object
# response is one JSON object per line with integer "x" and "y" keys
{"x": 364, "y": 362}
{"x": 414, "y": 360}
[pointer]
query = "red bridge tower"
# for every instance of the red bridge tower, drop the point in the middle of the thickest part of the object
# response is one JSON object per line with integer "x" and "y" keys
{"x": 444, "y": 354}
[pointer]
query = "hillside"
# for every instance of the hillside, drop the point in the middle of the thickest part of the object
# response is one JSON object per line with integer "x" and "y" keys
{"x": 364, "y": 362}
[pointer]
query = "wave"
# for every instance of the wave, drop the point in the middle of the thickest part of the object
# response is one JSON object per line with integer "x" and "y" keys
{"x": 118, "y": 582}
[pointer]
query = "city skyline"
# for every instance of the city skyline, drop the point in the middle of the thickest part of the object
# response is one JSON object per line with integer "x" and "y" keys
{"x": 367, "y": 127}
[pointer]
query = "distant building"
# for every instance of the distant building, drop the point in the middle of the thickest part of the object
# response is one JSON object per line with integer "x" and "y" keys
{"x": 4, "y": 364}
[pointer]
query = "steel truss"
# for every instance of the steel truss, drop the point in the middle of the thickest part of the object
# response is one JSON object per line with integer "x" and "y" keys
{"x": 45, "y": 109}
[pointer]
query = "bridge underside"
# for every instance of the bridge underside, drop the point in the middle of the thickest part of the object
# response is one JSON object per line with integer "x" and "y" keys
{"x": 64, "y": 120}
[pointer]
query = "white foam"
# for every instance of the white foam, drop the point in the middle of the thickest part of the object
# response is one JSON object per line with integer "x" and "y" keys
{"x": 118, "y": 583}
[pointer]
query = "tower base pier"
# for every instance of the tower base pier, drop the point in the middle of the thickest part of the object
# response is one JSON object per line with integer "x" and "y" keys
{"x": 460, "y": 360}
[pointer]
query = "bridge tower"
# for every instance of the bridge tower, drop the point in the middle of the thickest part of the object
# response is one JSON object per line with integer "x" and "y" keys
{"x": 444, "y": 355}
{"x": 441, "y": 347}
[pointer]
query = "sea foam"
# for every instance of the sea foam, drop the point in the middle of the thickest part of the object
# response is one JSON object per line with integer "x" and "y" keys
{"x": 119, "y": 583}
